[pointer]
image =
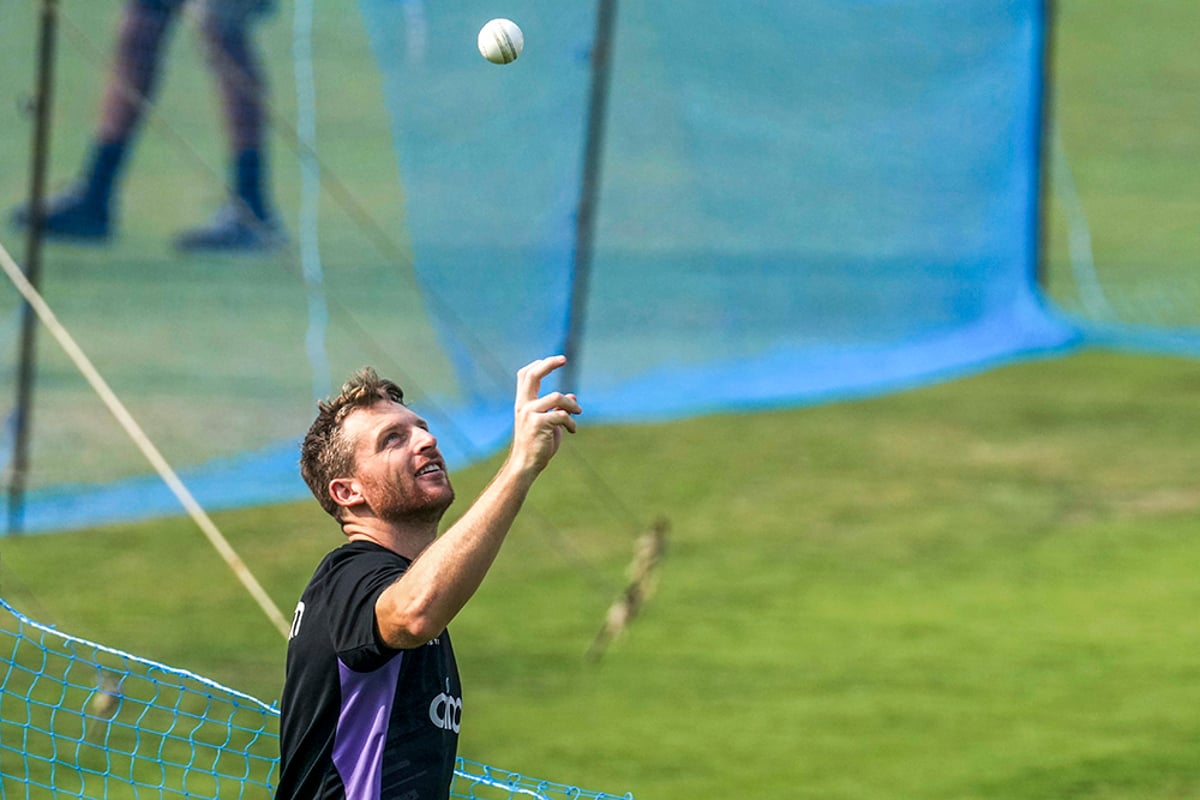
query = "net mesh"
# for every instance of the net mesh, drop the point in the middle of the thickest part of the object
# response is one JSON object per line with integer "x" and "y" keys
{"x": 826, "y": 199}
{"x": 78, "y": 719}
{"x": 772, "y": 226}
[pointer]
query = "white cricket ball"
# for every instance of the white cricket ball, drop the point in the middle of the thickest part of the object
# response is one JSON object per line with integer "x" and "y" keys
{"x": 501, "y": 41}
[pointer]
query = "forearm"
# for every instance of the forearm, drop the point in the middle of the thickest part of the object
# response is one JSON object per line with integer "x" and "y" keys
{"x": 444, "y": 577}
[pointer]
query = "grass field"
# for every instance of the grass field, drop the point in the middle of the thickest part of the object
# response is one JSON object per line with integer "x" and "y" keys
{"x": 1123, "y": 100}
{"x": 982, "y": 589}
{"x": 979, "y": 589}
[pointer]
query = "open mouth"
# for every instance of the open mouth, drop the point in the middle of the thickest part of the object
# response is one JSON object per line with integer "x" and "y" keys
{"x": 429, "y": 469}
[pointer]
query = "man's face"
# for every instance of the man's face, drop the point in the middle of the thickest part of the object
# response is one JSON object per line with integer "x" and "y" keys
{"x": 399, "y": 469}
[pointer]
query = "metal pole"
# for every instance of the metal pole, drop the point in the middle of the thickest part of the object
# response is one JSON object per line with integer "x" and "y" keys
{"x": 606, "y": 14}
{"x": 1045, "y": 123}
{"x": 33, "y": 261}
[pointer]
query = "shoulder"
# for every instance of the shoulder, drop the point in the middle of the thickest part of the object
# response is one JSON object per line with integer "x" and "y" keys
{"x": 355, "y": 568}
{"x": 339, "y": 601}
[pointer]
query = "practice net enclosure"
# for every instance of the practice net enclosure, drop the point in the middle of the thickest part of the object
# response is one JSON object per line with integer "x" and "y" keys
{"x": 793, "y": 203}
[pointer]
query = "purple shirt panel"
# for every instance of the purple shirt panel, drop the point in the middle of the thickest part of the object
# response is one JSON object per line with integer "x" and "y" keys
{"x": 362, "y": 727}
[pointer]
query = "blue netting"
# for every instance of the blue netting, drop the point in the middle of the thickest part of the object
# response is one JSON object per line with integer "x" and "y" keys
{"x": 79, "y": 719}
{"x": 799, "y": 199}
{"x": 798, "y": 202}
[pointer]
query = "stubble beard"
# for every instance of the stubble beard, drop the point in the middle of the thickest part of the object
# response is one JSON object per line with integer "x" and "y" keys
{"x": 406, "y": 505}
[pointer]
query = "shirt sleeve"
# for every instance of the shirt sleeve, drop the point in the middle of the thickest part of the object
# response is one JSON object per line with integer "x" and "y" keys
{"x": 354, "y": 586}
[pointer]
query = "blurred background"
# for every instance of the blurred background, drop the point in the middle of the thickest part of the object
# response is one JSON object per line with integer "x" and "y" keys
{"x": 875, "y": 301}
{"x": 838, "y": 199}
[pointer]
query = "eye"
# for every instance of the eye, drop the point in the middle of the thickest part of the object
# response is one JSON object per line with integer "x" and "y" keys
{"x": 393, "y": 438}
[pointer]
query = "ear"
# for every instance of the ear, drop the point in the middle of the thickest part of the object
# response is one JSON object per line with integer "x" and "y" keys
{"x": 346, "y": 492}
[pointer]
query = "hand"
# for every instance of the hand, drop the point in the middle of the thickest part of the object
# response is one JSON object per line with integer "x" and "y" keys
{"x": 539, "y": 421}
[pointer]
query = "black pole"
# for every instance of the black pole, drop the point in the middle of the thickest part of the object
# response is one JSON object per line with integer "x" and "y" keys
{"x": 33, "y": 262}
{"x": 1045, "y": 125}
{"x": 585, "y": 221}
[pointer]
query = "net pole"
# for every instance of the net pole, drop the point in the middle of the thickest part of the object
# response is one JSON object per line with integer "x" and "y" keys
{"x": 142, "y": 441}
{"x": 589, "y": 190}
{"x": 1044, "y": 74}
{"x": 23, "y": 412}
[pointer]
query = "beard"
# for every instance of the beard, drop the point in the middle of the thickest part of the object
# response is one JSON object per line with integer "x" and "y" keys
{"x": 398, "y": 502}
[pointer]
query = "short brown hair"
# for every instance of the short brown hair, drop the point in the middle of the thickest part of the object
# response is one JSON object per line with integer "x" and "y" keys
{"x": 326, "y": 453}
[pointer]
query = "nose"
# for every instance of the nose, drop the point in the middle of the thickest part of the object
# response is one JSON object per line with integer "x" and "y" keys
{"x": 425, "y": 440}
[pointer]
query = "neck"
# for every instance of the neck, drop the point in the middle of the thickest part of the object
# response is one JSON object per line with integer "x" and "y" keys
{"x": 408, "y": 540}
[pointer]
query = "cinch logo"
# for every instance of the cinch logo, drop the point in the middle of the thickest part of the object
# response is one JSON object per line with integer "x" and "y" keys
{"x": 446, "y": 712}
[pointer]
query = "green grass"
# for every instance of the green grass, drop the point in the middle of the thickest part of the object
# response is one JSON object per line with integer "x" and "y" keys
{"x": 982, "y": 589}
{"x": 1124, "y": 102}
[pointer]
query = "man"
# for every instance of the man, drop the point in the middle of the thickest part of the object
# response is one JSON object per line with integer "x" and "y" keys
{"x": 372, "y": 704}
{"x": 86, "y": 212}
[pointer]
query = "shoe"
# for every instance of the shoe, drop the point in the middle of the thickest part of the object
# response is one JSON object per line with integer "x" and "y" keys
{"x": 71, "y": 216}
{"x": 233, "y": 229}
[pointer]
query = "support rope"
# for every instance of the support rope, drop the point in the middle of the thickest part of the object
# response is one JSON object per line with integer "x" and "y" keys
{"x": 139, "y": 437}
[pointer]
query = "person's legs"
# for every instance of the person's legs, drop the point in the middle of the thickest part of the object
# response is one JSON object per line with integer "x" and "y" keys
{"x": 248, "y": 222}
{"x": 134, "y": 76}
{"x": 85, "y": 210}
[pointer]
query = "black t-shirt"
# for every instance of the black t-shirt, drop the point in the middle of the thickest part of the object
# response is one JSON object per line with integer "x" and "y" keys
{"x": 359, "y": 720}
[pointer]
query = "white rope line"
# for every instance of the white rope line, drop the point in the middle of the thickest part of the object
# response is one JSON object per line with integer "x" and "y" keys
{"x": 114, "y": 404}
{"x": 1079, "y": 234}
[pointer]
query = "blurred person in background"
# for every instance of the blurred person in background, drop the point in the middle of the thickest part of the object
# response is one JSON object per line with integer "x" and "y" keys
{"x": 86, "y": 212}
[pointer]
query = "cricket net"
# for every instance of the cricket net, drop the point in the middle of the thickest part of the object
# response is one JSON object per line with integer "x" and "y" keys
{"x": 79, "y": 719}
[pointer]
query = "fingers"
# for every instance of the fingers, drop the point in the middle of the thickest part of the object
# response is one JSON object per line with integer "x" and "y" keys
{"x": 556, "y": 400}
{"x": 556, "y": 409}
{"x": 530, "y": 376}
{"x": 563, "y": 419}
{"x": 541, "y": 420}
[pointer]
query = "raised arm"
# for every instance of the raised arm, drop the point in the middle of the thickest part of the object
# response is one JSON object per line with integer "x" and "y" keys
{"x": 443, "y": 578}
